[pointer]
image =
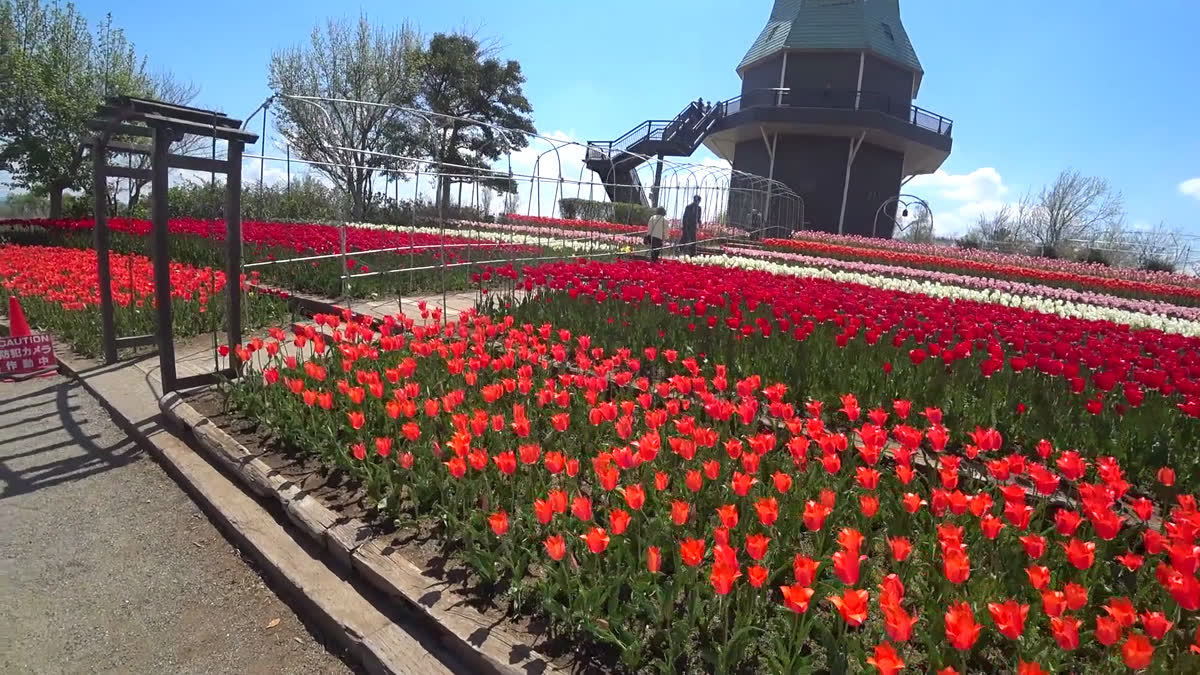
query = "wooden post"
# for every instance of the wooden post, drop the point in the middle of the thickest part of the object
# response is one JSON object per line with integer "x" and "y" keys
{"x": 100, "y": 237}
{"x": 162, "y": 263}
{"x": 233, "y": 247}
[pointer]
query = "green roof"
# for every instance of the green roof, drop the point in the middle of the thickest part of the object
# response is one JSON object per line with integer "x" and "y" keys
{"x": 855, "y": 25}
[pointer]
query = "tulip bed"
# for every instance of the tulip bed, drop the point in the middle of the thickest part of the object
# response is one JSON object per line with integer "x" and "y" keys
{"x": 703, "y": 518}
{"x": 59, "y": 291}
{"x": 200, "y": 242}
{"x": 1170, "y": 288}
{"x": 1052, "y": 293}
{"x": 1016, "y": 259}
{"x": 1093, "y": 385}
{"x": 705, "y": 231}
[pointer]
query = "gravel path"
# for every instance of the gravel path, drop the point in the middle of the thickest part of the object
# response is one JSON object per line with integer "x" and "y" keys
{"x": 107, "y": 566}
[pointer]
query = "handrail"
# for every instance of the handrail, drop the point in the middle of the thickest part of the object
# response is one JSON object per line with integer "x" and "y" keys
{"x": 839, "y": 99}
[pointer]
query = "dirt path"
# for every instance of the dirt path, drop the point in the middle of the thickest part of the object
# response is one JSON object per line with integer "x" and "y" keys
{"x": 107, "y": 566}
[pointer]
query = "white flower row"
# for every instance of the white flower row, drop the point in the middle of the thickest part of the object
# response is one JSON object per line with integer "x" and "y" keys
{"x": 1028, "y": 302}
{"x": 503, "y": 237}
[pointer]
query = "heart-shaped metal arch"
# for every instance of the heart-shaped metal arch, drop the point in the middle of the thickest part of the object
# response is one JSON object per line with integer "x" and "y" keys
{"x": 902, "y": 200}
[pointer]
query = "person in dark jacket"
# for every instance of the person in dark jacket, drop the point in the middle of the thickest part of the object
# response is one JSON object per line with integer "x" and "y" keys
{"x": 691, "y": 222}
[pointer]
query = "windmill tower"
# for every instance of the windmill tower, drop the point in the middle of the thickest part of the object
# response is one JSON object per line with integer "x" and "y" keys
{"x": 827, "y": 109}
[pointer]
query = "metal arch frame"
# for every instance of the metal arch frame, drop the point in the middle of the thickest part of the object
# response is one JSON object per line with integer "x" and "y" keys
{"x": 898, "y": 200}
{"x": 505, "y": 130}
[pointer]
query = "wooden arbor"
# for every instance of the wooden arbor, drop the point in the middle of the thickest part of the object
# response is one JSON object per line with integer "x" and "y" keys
{"x": 165, "y": 124}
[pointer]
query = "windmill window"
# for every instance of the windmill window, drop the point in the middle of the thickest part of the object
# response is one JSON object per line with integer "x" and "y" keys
{"x": 772, "y": 32}
{"x": 887, "y": 30}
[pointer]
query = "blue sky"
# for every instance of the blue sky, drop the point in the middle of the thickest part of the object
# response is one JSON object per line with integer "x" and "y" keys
{"x": 1108, "y": 87}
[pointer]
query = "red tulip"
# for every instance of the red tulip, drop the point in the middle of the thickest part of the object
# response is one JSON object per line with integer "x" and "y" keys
{"x": 556, "y": 548}
{"x": 804, "y": 569}
{"x": 1009, "y": 618}
{"x": 499, "y": 523}
{"x": 961, "y": 629}
{"x": 1065, "y": 630}
{"x": 796, "y": 597}
{"x": 1080, "y": 554}
{"x": 653, "y": 559}
{"x": 886, "y": 660}
{"x": 901, "y": 548}
{"x": 1137, "y": 652}
{"x": 852, "y": 605}
{"x": 597, "y": 539}
{"x": 692, "y": 551}
{"x": 1108, "y": 631}
{"x": 618, "y": 521}
{"x": 722, "y": 578}
{"x": 679, "y": 512}
{"x": 756, "y": 546}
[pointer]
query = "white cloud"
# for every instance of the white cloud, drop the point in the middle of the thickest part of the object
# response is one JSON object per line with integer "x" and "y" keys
{"x": 957, "y": 200}
{"x": 979, "y": 185}
{"x": 1190, "y": 187}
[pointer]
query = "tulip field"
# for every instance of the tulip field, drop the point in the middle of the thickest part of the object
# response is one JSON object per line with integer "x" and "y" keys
{"x": 698, "y": 516}
{"x": 59, "y": 292}
{"x": 811, "y": 455}
{"x": 200, "y": 242}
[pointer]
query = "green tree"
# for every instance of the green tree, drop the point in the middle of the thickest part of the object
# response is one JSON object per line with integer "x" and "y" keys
{"x": 488, "y": 114}
{"x": 53, "y": 74}
{"x": 353, "y": 62}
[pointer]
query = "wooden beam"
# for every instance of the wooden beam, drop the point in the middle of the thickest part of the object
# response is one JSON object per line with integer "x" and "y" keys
{"x": 127, "y": 148}
{"x": 197, "y": 163}
{"x": 199, "y": 129}
{"x": 188, "y": 113}
{"x": 127, "y": 172}
{"x": 136, "y": 341}
{"x": 120, "y": 129}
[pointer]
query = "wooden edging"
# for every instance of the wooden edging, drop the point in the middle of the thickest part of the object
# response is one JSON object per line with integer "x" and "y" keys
{"x": 489, "y": 648}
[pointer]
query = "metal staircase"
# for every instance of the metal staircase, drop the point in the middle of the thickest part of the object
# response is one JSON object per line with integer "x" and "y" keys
{"x": 616, "y": 161}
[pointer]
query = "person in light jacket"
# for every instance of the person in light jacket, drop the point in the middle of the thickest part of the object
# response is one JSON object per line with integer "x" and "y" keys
{"x": 657, "y": 233}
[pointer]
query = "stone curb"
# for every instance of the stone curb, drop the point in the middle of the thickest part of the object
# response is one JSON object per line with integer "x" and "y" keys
{"x": 471, "y": 636}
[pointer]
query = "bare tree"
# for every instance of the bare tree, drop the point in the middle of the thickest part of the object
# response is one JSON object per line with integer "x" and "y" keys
{"x": 162, "y": 87}
{"x": 919, "y": 228}
{"x": 353, "y": 61}
{"x": 1160, "y": 247}
{"x": 1074, "y": 206}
